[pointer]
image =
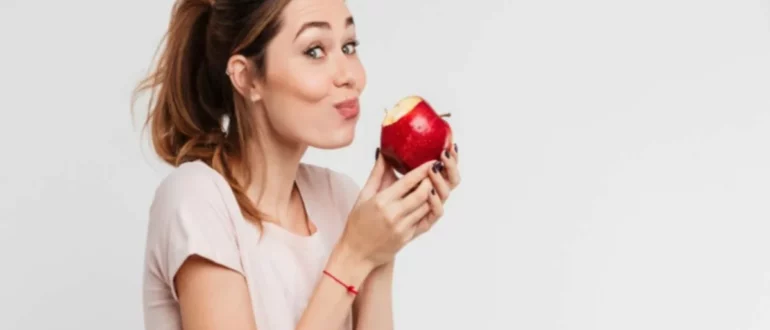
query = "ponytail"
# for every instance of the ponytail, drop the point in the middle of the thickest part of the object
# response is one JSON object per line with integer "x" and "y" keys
{"x": 190, "y": 93}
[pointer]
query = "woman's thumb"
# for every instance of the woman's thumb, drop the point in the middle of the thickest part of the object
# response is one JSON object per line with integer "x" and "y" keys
{"x": 372, "y": 184}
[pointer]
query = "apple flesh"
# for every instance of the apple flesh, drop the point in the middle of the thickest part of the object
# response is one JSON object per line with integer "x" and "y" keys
{"x": 412, "y": 134}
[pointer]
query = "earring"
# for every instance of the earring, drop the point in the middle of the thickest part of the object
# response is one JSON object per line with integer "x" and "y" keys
{"x": 225, "y": 124}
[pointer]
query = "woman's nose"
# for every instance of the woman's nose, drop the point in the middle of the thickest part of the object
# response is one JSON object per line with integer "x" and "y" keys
{"x": 343, "y": 75}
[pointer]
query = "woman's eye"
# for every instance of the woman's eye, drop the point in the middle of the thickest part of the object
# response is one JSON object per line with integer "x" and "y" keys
{"x": 350, "y": 48}
{"x": 315, "y": 52}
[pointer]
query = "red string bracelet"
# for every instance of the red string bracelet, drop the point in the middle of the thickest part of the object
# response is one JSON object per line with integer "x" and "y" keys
{"x": 350, "y": 288}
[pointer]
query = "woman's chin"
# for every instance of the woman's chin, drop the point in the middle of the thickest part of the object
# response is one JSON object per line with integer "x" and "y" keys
{"x": 339, "y": 138}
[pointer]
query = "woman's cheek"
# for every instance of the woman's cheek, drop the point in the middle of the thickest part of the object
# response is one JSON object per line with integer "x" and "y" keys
{"x": 312, "y": 86}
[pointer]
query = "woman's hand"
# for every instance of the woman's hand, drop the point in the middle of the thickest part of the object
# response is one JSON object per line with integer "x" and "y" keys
{"x": 385, "y": 215}
{"x": 445, "y": 176}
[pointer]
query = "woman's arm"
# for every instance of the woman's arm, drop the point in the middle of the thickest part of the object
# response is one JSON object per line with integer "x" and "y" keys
{"x": 373, "y": 308}
{"x": 215, "y": 297}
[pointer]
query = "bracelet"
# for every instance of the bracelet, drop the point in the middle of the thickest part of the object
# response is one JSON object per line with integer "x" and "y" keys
{"x": 350, "y": 288}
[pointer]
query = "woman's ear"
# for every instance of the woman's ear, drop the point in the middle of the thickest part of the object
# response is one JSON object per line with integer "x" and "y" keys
{"x": 241, "y": 73}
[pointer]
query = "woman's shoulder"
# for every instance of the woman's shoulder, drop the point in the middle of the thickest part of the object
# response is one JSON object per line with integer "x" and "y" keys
{"x": 190, "y": 214}
{"x": 193, "y": 181}
{"x": 192, "y": 193}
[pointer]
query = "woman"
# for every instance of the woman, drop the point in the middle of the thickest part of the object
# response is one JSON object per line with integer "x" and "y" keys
{"x": 242, "y": 235}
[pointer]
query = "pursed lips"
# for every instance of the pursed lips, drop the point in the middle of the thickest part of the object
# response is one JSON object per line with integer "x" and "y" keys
{"x": 348, "y": 108}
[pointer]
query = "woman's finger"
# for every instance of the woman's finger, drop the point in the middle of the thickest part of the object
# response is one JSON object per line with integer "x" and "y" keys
{"x": 436, "y": 209}
{"x": 406, "y": 183}
{"x": 374, "y": 181}
{"x": 411, "y": 219}
{"x": 439, "y": 182}
{"x": 454, "y": 153}
{"x": 423, "y": 226}
{"x": 388, "y": 179}
{"x": 413, "y": 200}
{"x": 436, "y": 212}
{"x": 451, "y": 171}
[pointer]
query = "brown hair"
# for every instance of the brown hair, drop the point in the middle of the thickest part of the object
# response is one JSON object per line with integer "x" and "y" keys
{"x": 191, "y": 92}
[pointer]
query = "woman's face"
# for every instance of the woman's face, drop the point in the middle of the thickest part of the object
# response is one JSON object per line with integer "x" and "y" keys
{"x": 313, "y": 75}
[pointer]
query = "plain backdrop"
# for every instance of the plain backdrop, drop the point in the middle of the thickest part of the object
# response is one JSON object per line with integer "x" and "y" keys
{"x": 615, "y": 158}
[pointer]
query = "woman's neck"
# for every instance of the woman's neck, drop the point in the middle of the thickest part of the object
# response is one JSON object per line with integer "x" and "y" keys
{"x": 274, "y": 166}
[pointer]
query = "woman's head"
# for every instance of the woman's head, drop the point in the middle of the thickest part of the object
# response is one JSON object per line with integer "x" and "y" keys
{"x": 309, "y": 67}
{"x": 275, "y": 69}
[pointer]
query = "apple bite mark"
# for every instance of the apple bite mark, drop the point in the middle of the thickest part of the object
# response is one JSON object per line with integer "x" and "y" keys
{"x": 402, "y": 108}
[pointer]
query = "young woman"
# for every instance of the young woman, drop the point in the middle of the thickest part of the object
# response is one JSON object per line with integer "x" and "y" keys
{"x": 242, "y": 235}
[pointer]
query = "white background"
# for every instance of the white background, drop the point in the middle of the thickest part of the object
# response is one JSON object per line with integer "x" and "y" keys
{"x": 615, "y": 157}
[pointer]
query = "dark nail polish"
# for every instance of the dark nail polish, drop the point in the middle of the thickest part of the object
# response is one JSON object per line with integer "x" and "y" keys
{"x": 433, "y": 191}
{"x": 455, "y": 147}
{"x": 438, "y": 167}
{"x": 446, "y": 153}
{"x": 377, "y": 153}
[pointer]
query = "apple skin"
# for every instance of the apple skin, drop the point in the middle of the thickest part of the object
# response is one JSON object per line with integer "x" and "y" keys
{"x": 419, "y": 136}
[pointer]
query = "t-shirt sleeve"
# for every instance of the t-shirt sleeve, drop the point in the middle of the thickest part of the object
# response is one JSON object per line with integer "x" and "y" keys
{"x": 189, "y": 217}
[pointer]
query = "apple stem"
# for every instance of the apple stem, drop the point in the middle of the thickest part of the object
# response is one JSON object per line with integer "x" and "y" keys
{"x": 445, "y": 115}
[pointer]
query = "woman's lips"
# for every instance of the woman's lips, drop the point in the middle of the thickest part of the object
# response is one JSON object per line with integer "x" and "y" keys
{"x": 349, "y": 108}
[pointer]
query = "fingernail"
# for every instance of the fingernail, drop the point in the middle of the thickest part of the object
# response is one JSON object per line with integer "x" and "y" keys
{"x": 377, "y": 153}
{"x": 455, "y": 147}
{"x": 446, "y": 153}
{"x": 438, "y": 167}
{"x": 433, "y": 191}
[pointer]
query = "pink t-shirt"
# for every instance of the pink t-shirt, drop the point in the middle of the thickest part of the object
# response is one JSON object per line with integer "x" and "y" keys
{"x": 195, "y": 212}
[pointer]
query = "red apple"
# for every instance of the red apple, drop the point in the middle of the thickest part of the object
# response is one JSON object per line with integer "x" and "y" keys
{"x": 412, "y": 134}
